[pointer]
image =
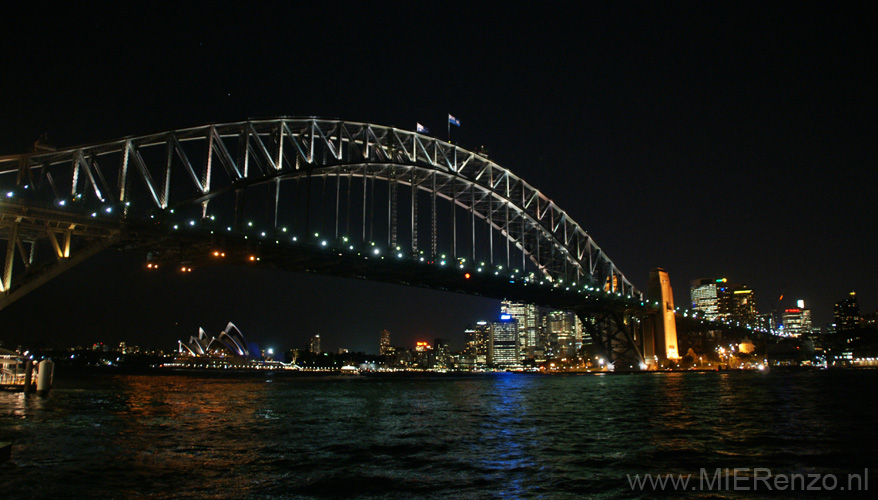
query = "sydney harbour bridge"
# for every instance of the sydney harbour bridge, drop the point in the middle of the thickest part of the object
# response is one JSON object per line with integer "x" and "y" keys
{"x": 327, "y": 196}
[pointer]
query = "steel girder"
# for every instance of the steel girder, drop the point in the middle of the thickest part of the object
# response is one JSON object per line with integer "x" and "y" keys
{"x": 26, "y": 231}
{"x": 143, "y": 172}
{"x": 618, "y": 334}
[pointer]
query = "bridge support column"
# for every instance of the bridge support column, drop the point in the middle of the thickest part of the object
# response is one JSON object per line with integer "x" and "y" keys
{"x": 619, "y": 337}
{"x": 661, "y": 328}
{"x": 6, "y": 281}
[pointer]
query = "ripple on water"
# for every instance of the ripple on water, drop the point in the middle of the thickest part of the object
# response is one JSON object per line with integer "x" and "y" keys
{"x": 482, "y": 437}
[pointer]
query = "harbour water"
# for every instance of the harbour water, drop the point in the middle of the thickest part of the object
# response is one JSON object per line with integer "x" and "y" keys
{"x": 485, "y": 436}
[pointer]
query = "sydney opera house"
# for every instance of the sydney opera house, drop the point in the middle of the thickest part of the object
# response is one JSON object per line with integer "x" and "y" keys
{"x": 228, "y": 344}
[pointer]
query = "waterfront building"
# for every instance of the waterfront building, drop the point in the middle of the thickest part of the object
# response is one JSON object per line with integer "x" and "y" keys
{"x": 703, "y": 297}
{"x": 528, "y": 325}
{"x": 477, "y": 338}
{"x": 229, "y": 343}
{"x": 503, "y": 349}
{"x": 564, "y": 332}
{"x": 736, "y": 302}
{"x": 746, "y": 346}
{"x": 441, "y": 357}
{"x": 766, "y": 321}
{"x": 847, "y": 313}
{"x": 384, "y": 343}
{"x": 314, "y": 347}
{"x": 797, "y": 321}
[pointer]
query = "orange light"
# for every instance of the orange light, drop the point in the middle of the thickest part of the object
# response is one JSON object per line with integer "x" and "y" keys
{"x": 216, "y": 254}
{"x": 467, "y": 275}
{"x": 252, "y": 258}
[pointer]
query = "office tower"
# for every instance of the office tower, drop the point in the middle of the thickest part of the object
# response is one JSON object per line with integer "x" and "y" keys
{"x": 504, "y": 349}
{"x": 384, "y": 343}
{"x": 562, "y": 328}
{"x": 527, "y": 318}
{"x": 736, "y": 302}
{"x": 766, "y": 321}
{"x": 315, "y": 344}
{"x": 441, "y": 354}
{"x": 797, "y": 321}
{"x": 847, "y": 313}
{"x": 477, "y": 338}
{"x": 703, "y": 296}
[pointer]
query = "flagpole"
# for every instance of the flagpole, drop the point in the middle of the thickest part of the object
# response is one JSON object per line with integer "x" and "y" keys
{"x": 448, "y": 125}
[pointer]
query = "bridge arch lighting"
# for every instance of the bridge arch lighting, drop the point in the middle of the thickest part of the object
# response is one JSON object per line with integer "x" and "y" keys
{"x": 493, "y": 211}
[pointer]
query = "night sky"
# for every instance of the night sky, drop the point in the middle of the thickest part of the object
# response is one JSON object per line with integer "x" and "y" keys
{"x": 730, "y": 142}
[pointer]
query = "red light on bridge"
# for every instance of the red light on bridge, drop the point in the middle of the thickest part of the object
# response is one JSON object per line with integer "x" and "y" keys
{"x": 467, "y": 275}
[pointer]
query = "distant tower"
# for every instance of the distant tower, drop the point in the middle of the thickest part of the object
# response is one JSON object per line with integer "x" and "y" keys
{"x": 384, "y": 343}
{"x": 563, "y": 332}
{"x": 847, "y": 313}
{"x": 797, "y": 320}
{"x": 736, "y": 302}
{"x": 503, "y": 348}
{"x": 526, "y": 316}
{"x": 477, "y": 337}
{"x": 703, "y": 294}
{"x": 663, "y": 344}
{"x": 315, "y": 344}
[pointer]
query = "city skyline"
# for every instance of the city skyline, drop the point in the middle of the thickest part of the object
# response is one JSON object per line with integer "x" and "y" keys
{"x": 745, "y": 157}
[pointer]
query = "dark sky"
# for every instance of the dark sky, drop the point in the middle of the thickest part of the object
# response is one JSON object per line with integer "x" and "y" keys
{"x": 713, "y": 141}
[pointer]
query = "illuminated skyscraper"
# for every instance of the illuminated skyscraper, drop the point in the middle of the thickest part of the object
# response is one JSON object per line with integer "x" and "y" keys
{"x": 441, "y": 354}
{"x": 477, "y": 338}
{"x": 797, "y": 321}
{"x": 384, "y": 343}
{"x": 315, "y": 344}
{"x": 847, "y": 313}
{"x": 564, "y": 332}
{"x": 737, "y": 302}
{"x": 527, "y": 318}
{"x": 702, "y": 293}
{"x": 503, "y": 351}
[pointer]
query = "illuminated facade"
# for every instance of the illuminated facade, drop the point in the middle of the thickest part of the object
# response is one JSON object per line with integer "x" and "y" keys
{"x": 703, "y": 296}
{"x": 847, "y": 313}
{"x": 503, "y": 349}
{"x": 528, "y": 321}
{"x": 662, "y": 344}
{"x": 796, "y": 321}
{"x": 384, "y": 343}
{"x": 563, "y": 333}
{"x": 737, "y": 302}
{"x": 478, "y": 338}
{"x": 314, "y": 346}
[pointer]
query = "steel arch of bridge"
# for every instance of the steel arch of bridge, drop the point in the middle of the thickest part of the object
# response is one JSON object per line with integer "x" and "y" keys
{"x": 158, "y": 173}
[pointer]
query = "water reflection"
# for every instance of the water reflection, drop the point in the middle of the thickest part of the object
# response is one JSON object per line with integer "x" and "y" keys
{"x": 496, "y": 436}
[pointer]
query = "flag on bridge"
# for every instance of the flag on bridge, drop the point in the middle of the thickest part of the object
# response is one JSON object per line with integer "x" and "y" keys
{"x": 422, "y": 129}
{"x": 452, "y": 120}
